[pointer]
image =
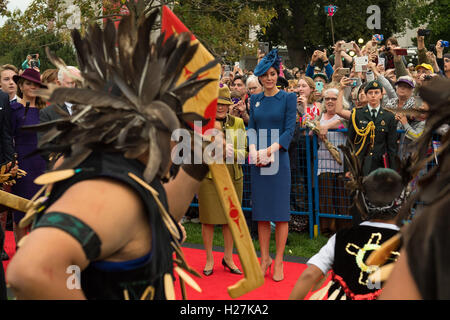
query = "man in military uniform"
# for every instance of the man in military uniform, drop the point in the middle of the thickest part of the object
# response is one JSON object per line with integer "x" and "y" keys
{"x": 373, "y": 131}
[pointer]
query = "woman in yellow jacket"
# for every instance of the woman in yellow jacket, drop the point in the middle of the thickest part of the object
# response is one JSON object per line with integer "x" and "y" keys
{"x": 209, "y": 203}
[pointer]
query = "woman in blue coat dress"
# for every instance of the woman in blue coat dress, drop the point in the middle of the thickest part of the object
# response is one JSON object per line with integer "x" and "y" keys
{"x": 271, "y": 127}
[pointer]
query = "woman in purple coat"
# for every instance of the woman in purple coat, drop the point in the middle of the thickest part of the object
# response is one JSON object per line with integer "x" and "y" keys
{"x": 26, "y": 112}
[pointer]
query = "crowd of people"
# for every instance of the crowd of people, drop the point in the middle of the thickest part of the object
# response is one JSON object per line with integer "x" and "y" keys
{"x": 349, "y": 100}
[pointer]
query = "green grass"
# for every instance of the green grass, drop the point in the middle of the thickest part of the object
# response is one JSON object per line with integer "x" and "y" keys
{"x": 299, "y": 244}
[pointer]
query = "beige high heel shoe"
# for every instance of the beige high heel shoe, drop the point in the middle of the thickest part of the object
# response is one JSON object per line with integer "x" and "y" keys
{"x": 276, "y": 277}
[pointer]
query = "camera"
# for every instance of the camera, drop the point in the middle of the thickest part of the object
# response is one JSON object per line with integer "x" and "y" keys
{"x": 34, "y": 64}
{"x": 424, "y": 32}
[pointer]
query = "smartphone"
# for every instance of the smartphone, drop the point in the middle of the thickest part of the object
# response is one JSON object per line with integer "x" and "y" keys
{"x": 344, "y": 71}
{"x": 424, "y": 32}
{"x": 362, "y": 60}
{"x": 381, "y": 61}
{"x": 319, "y": 86}
{"x": 445, "y": 44}
{"x": 370, "y": 76}
{"x": 263, "y": 47}
{"x": 355, "y": 82}
{"x": 227, "y": 68}
{"x": 401, "y": 52}
{"x": 347, "y": 46}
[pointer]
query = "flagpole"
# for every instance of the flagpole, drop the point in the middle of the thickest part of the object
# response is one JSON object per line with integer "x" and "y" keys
{"x": 332, "y": 29}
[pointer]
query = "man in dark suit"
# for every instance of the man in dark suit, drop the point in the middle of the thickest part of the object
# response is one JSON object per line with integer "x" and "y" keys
{"x": 51, "y": 112}
{"x": 6, "y": 155}
{"x": 6, "y": 141}
{"x": 64, "y": 80}
{"x": 373, "y": 132}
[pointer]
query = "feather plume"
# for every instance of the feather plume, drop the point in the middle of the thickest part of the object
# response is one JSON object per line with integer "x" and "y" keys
{"x": 61, "y": 65}
{"x": 130, "y": 100}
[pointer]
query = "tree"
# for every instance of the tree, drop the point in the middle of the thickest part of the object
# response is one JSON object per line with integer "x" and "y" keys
{"x": 419, "y": 13}
{"x": 3, "y": 7}
{"x": 224, "y": 26}
{"x": 303, "y": 26}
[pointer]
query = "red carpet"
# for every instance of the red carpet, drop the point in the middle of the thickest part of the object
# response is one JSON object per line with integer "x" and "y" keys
{"x": 215, "y": 286}
{"x": 10, "y": 247}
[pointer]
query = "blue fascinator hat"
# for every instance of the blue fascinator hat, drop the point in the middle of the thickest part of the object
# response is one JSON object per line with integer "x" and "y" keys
{"x": 270, "y": 60}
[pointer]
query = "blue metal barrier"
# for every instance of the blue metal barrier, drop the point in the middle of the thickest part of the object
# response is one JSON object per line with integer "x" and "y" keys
{"x": 317, "y": 184}
{"x": 332, "y": 199}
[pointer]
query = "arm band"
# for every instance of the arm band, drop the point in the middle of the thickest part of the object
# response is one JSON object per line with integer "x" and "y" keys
{"x": 84, "y": 234}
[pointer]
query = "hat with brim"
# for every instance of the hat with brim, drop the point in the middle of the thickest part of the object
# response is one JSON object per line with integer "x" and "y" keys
{"x": 270, "y": 60}
{"x": 373, "y": 85}
{"x": 30, "y": 75}
{"x": 425, "y": 66}
{"x": 224, "y": 95}
{"x": 320, "y": 75}
{"x": 409, "y": 81}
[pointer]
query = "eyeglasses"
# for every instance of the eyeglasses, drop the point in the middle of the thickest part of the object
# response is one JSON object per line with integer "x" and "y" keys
{"x": 330, "y": 99}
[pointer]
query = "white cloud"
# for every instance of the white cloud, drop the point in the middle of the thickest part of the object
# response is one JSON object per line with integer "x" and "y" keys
{"x": 19, "y": 4}
{"x": 16, "y": 4}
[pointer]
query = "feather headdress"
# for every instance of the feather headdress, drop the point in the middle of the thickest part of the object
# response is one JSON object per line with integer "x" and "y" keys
{"x": 130, "y": 100}
{"x": 435, "y": 184}
{"x": 370, "y": 201}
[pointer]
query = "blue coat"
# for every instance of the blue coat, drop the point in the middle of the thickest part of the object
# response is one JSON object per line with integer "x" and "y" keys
{"x": 271, "y": 188}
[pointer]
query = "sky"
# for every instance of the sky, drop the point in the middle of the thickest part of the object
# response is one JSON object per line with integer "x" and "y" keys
{"x": 16, "y": 4}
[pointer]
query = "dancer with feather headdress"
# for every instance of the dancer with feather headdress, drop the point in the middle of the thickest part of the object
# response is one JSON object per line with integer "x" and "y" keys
{"x": 104, "y": 210}
{"x": 378, "y": 197}
{"x": 421, "y": 272}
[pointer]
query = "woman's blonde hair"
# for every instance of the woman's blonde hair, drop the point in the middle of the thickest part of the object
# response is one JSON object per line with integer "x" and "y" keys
{"x": 49, "y": 76}
{"x": 293, "y": 82}
{"x": 310, "y": 82}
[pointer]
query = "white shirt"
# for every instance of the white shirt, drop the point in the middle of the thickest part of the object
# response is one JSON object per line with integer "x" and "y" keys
{"x": 325, "y": 257}
{"x": 377, "y": 108}
{"x": 69, "y": 107}
{"x": 13, "y": 99}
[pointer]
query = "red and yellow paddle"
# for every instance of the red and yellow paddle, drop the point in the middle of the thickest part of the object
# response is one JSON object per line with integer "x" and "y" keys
{"x": 205, "y": 104}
